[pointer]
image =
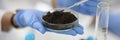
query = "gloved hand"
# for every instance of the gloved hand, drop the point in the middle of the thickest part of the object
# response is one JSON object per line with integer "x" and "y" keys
{"x": 32, "y": 18}
{"x": 78, "y": 29}
{"x": 89, "y": 7}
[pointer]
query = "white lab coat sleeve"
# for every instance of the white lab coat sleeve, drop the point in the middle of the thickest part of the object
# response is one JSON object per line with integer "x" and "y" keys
{"x": 1, "y": 14}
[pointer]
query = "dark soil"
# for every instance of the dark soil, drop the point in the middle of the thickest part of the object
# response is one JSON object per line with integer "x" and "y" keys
{"x": 59, "y": 17}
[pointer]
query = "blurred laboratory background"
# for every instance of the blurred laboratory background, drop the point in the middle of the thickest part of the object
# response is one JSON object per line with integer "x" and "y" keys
{"x": 46, "y": 5}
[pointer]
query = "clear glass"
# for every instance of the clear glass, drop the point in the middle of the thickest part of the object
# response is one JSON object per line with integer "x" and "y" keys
{"x": 102, "y": 18}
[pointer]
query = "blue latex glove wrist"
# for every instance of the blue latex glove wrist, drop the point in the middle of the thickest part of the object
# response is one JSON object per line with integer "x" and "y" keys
{"x": 32, "y": 18}
{"x": 89, "y": 7}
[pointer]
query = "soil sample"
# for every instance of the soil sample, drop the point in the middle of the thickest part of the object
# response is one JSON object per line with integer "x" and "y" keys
{"x": 61, "y": 20}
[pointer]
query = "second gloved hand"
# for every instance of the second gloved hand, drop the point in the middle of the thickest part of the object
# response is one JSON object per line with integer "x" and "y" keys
{"x": 88, "y": 7}
{"x": 33, "y": 18}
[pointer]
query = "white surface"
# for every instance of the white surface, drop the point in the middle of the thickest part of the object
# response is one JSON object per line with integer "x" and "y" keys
{"x": 43, "y": 6}
{"x": 18, "y": 4}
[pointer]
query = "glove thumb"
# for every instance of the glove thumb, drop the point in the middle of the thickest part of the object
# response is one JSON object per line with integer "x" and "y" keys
{"x": 39, "y": 27}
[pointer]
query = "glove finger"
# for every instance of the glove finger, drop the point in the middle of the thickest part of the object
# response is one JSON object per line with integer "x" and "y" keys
{"x": 91, "y": 3}
{"x": 78, "y": 29}
{"x": 70, "y": 32}
{"x": 96, "y": 0}
{"x": 89, "y": 10}
{"x": 66, "y": 3}
{"x": 67, "y": 32}
{"x": 39, "y": 27}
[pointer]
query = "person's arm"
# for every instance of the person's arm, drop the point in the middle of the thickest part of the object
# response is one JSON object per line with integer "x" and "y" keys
{"x": 54, "y": 3}
{"x": 6, "y": 21}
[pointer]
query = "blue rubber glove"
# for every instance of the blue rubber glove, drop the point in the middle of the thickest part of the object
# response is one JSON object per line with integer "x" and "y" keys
{"x": 89, "y": 7}
{"x": 78, "y": 29}
{"x": 32, "y": 18}
{"x": 114, "y": 23}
